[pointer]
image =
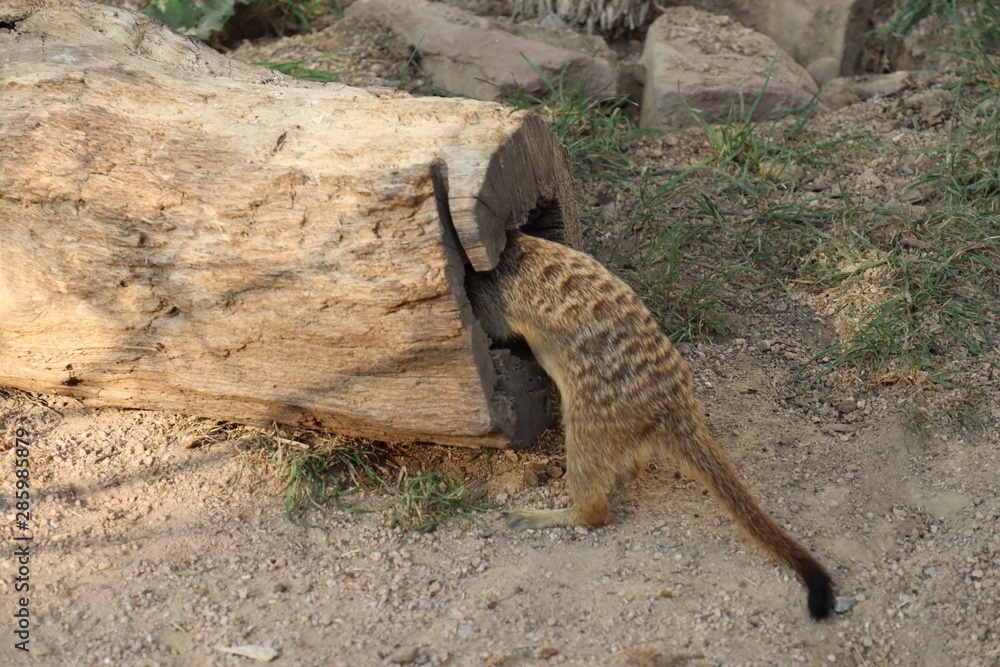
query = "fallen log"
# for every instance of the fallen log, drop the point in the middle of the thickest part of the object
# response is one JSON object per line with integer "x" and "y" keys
{"x": 183, "y": 232}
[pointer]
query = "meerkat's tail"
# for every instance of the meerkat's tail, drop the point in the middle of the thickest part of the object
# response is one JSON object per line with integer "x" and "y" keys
{"x": 704, "y": 459}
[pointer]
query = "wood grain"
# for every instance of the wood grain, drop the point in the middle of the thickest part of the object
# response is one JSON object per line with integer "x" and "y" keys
{"x": 188, "y": 233}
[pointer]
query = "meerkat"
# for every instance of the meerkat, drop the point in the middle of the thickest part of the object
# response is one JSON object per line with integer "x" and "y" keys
{"x": 626, "y": 393}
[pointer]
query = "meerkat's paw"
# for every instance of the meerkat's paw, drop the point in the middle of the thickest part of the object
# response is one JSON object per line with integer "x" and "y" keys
{"x": 539, "y": 518}
{"x": 571, "y": 516}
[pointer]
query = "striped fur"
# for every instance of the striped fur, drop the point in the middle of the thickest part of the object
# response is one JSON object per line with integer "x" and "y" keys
{"x": 625, "y": 390}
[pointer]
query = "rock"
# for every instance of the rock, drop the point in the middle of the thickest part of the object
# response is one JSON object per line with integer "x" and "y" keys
{"x": 868, "y": 180}
{"x": 809, "y": 30}
{"x": 931, "y": 105}
{"x": 823, "y": 69}
{"x": 843, "y": 604}
{"x": 405, "y": 655}
{"x": 841, "y": 92}
{"x": 258, "y": 653}
{"x": 545, "y": 652}
{"x": 483, "y": 57}
{"x": 880, "y": 85}
{"x": 535, "y": 474}
{"x": 847, "y": 407}
{"x": 707, "y": 62}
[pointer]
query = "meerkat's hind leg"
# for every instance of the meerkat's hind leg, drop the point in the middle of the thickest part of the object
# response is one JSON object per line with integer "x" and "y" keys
{"x": 640, "y": 462}
{"x": 592, "y": 510}
{"x": 588, "y": 476}
{"x": 539, "y": 519}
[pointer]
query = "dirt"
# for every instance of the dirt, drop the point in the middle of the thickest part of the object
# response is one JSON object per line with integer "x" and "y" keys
{"x": 147, "y": 552}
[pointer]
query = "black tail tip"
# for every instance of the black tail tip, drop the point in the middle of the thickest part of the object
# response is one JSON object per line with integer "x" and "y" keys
{"x": 821, "y": 597}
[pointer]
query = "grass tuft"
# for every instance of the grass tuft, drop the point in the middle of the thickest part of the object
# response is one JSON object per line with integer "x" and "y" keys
{"x": 311, "y": 477}
{"x": 685, "y": 308}
{"x": 593, "y": 129}
{"x": 428, "y": 499}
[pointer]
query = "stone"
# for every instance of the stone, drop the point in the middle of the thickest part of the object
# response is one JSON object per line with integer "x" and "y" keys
{"x": 405, "y": 655}
{"x": 809, "y": 30}
{"x": 843, "y": 604}
{"x": 535, "y": 474}
{"x": 931, "y": 105}
{"x": 846, "y": 407}
{"x": 484, "y": 58}
{"x": 693, "y": 60}
{"x": 252, "y": 651}
{"x": 841, "y": 92}
{"x": 882, "y": 85}
{"x": 545, "y": 652}
{"x": 824, "y": 69}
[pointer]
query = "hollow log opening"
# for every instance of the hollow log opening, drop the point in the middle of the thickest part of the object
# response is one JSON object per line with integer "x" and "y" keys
{"x": 523, "y": 397}
{"x": 545, "y": 221}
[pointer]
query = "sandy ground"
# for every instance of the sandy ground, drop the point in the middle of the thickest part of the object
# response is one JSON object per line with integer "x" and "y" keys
{"x": 148, "y": 553}
{"x": 145, "y": 552}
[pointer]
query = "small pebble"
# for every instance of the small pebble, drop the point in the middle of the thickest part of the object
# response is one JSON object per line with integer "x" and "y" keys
{"x": 843, "y": 604}
{"x": 405, "y": 655}
{"x": 254, "y": 652}
{"x": 545, "y": 652}
{"x": 847, "y": 407}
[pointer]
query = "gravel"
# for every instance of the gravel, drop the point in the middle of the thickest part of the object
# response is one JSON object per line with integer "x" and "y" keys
{"x": 149, "y": 553}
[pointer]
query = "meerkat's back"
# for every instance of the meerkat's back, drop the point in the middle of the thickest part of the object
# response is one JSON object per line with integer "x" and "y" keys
{"x": 625, "y": 391}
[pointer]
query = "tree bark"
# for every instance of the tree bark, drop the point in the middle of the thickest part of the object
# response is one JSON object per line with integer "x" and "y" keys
{"x": 184, "y": 232}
